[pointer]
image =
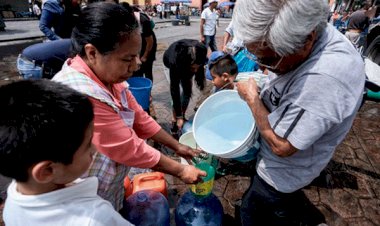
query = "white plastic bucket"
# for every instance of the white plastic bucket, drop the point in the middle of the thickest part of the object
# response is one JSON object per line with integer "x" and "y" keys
{"x": 188, "y": 139}
{"x": 224, "y": 126}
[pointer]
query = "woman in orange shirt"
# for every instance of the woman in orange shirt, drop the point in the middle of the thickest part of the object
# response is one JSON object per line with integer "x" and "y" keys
{"x": 107, "y": 42}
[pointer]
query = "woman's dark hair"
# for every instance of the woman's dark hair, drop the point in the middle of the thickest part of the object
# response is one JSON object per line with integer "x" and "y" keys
{"x": 225, "y": 64}
{"x": 200, "y": 59}
{"x": 102, "y": 24}
{"x": 185, "y": 52}
{"x": 40, "y": 120}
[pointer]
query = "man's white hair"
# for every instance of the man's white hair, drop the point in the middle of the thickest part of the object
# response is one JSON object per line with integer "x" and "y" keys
{"x": 283, "y": 24}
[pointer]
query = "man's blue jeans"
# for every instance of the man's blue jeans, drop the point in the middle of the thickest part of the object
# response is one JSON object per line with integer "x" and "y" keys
{"x": 28, "y": 69}
{"x": 210, "y": 42}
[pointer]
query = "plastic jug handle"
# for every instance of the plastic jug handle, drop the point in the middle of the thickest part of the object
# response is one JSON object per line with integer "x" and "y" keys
{"x": 151, "y": 177}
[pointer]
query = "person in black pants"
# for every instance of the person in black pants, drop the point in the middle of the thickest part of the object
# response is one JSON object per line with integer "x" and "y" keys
{"x": 184, "y": 58}
{"x": 148, "y": 45}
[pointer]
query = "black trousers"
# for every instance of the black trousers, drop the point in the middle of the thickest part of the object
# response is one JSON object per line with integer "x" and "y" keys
{"x": 180, "y": 101}
{"x": 264, "y": 205}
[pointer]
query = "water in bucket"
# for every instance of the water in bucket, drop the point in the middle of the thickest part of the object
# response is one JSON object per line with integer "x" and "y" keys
{"x": 141, "y": 88}
{"x": 224, "y": 126}
{"x": 224, "y": 138}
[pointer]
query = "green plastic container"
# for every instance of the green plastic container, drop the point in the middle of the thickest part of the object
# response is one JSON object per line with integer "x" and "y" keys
{"x": 204, "y": 188}
{"x": 374, "y": 95}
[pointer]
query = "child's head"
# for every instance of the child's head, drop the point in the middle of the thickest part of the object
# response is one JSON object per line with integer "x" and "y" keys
{"x": 45, "y": 132}
{"x": 222, "y": 69}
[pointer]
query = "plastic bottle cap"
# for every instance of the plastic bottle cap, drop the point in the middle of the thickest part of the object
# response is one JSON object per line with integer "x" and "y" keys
{"x": 142, "y": 197}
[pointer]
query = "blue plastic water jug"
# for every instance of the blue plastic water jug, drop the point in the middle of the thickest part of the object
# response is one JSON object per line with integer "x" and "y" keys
{"x": 199, "y": 206}
{"x": 147, "y": 208}
{"x": 193, "y": 210}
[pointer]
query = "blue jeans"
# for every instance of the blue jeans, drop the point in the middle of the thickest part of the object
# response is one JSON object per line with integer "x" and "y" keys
{"x": 28, "y": 69}
{"x": 210, "y": 42}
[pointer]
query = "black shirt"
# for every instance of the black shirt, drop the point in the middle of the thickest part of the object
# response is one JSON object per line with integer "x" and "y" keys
{"x": 147, "y": 31}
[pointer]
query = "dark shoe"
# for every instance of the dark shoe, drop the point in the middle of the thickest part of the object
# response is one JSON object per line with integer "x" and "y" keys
{"x": 174, "y": 130}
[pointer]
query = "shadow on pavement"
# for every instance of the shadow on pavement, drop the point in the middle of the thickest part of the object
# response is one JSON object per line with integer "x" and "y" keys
{"x": 336, "y": 176}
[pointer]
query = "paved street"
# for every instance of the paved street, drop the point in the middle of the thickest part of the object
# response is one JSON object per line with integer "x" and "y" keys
{"x": 346, "y": 193}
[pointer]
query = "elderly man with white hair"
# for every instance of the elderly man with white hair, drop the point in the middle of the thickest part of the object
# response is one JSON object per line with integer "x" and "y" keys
{"x": 305, "y": 109}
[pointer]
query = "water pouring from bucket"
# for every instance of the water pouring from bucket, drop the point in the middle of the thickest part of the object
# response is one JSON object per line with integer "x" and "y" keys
{"x": 224, "y": 126}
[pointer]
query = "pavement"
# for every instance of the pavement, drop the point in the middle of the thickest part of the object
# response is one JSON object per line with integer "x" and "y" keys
{"x": 346, "y": 193}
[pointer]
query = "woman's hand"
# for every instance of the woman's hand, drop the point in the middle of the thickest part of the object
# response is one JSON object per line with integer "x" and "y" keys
{"x": 187, "y": 173}
{"x": 191, "y": 175}
{"x": 187, "y": 152}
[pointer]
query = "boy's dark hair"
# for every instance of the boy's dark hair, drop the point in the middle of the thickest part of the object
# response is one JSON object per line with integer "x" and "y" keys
{"x": 40, "y": 120}
{"x": 224, "y": 64}
{"x": 103, "y": 24}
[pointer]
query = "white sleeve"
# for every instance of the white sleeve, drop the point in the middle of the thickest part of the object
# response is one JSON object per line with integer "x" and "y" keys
{"x": 204, "y": 15}
{"x": 229, "y": 29}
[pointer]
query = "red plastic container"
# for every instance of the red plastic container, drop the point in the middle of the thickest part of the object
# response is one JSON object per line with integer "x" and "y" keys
{"x": 146, "y": 181}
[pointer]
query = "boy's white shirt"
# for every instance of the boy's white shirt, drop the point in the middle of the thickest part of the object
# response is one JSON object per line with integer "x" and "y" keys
{"x": 77, "y": 204}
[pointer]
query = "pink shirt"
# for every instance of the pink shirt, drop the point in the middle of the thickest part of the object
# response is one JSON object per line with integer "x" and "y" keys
{"x": 112, "y": 136}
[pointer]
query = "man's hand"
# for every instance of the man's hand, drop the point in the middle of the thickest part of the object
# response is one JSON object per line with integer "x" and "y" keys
{"x": 248, "y": 90}
{"x": 191, "y": 175}
{"x": 203, "y": 39}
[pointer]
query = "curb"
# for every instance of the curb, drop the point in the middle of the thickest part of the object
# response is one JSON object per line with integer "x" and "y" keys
{"x": 22, "y": 39}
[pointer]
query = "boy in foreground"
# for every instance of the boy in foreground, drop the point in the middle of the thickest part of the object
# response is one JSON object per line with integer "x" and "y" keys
{"x": 45, "y": 146}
